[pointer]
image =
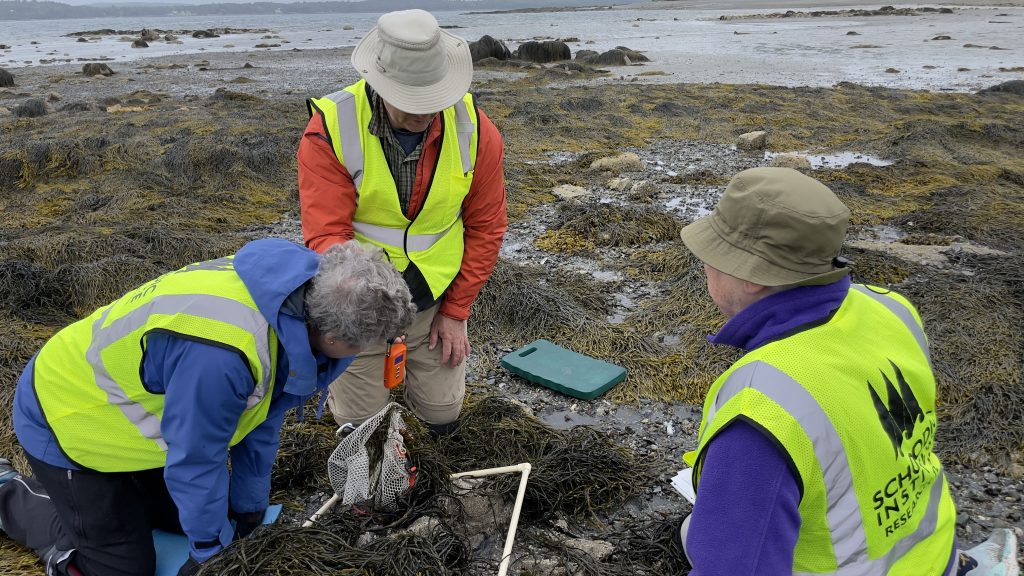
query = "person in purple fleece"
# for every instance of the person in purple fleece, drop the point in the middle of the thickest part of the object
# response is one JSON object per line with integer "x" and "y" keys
{"x": 128, "y": 417}
{"x": 815, "y": 451}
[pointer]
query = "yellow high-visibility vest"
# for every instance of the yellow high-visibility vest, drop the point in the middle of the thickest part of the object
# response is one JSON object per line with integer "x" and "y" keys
{"x": 433, "y": 241}
{"x": 852, "y": 404}
{"x": 88, "y": 376}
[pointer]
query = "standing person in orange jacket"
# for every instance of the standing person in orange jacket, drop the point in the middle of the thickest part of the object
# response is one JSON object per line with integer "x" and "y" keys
{"x": 403, "y": 159}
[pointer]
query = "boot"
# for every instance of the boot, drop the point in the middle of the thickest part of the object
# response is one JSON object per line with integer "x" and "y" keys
{"x": 996, "y": 556}
{"x": 7, "y": 471}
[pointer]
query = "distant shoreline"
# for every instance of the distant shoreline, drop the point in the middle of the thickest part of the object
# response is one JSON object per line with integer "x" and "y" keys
{"x": 753, "y": 5}
{"x": 549, "y": 9}
{"x": 748, "y": 5}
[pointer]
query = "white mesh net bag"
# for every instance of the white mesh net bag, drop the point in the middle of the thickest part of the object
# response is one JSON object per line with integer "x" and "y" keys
{"x": 370, "y": 464}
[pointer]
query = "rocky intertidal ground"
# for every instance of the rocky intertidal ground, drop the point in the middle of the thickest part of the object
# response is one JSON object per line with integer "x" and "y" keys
{"x": 109, "y": 179}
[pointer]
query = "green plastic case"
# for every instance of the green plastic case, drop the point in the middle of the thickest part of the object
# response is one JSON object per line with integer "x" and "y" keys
{"x": 563, "y": 370}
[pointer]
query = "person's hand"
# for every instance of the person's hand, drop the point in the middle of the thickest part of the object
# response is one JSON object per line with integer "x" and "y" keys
{"x": 246, "y": 522}
{"x": 189, "y": 568}
{"x": 451, "y": 333}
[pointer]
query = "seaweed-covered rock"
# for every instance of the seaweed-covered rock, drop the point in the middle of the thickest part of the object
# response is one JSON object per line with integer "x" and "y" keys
{"x": 488, "y": 47}
{"x": 542, "y": 52}
{"x": 74, "y": 107}
{"x": 634, "y": 56}
{"x": 96, "y": 68}
{"x": 140, "y": 44}
{"x": 1011, "y": 87}
{"x": 613, "y": 57}
{"x": 584, "y": 54}
{"x": 205, "y": 34}
{"x": 575, "y": 68}
{"x": 31, "y": 108}
{"x": 6, "y": 78}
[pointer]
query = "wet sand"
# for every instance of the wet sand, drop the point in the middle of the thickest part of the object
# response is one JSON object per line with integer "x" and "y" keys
{"x": 972, "y": 48}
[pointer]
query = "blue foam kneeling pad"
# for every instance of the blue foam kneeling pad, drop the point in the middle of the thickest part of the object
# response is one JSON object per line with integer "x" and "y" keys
{"x": 563, "y": 370}
{"x": 172, "y": 549}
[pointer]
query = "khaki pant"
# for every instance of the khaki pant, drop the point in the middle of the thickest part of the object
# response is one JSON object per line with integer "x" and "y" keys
{"x": 433, "y": 391}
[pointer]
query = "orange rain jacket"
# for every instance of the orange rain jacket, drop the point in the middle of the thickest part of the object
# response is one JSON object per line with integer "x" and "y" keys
{"x": 328, "y": 201}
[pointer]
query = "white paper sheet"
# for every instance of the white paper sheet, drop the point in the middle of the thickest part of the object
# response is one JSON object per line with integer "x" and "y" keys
{"x": 683, "y": 483}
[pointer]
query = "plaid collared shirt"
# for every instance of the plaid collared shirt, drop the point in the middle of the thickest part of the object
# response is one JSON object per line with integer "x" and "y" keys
{"x": 402, "y": 165}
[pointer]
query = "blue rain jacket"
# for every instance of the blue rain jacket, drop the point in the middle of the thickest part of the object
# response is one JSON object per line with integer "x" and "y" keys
{"x": 205, "y": 390}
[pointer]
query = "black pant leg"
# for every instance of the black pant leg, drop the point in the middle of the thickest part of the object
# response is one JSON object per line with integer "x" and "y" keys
{"x": 103, "y": 516}
{"x": 160, "y": 507}
{"x": 29, "y": 517}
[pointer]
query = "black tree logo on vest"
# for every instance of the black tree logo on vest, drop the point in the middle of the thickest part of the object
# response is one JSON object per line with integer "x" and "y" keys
{"x": 902, "y": 413}
{"x": 904, "y": 422}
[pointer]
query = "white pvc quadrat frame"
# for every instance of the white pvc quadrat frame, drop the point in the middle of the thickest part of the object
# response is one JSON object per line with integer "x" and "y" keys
{"x": 506, "y": 555}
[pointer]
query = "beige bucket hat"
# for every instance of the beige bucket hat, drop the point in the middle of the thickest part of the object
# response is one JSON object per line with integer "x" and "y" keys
{"x": 773, "y": 227}
{"x": 413, "y": 64}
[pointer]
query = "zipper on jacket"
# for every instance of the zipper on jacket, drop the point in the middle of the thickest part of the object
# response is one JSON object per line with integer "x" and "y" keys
{"x": 426, "y": 193}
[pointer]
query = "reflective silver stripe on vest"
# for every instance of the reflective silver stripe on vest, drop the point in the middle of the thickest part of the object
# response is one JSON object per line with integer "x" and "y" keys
{"x": 348, "y": 125}
{"x": 882, "y": 565}
{"x": 352, "y": 148}
{"x": 464, "y": 128}
{"x": 902, "y": 312}
{"x": 846, "y": 527}
{"x": 743, "y": 374}
{"x": 217, "y": 265}
{"x": 396, "y": 236}
{"x": 212, "y": 307}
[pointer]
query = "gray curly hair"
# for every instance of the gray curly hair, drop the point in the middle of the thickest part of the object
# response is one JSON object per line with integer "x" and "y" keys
{"x": 359, "y": 296}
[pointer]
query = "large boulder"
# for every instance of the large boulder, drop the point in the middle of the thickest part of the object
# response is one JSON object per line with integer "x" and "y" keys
{"x": 613, "y": 57}
{"x": 488, "y": 47}
{"x": 1011, "y": 87}
{"x": 634, "y": 56}
{"x": 6, "y": 79}
{"x": 626, "y": 162}
{"x": 96, "y": 69}
{"x": 789, "y": 160}
{"x": 542, "y": 52}
{"x": 140, "y": 44}
{"x": 569, "y": 192}
{"x": 752, "y": 140}
{"x": 584, "y": 54}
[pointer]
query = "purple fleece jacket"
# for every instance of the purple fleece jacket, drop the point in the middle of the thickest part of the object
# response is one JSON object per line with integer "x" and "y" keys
{"x": 746, "y": 519}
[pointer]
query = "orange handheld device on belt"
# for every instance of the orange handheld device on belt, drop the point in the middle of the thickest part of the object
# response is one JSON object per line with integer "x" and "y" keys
{"x": 394, "y": 364}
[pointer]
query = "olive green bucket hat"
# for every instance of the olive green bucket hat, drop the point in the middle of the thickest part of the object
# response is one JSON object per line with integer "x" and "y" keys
{"x": 773, "y": 227}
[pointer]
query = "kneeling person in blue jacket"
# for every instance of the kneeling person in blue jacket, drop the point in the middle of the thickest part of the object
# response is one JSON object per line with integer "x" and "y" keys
{"x": 128, "y": 417}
